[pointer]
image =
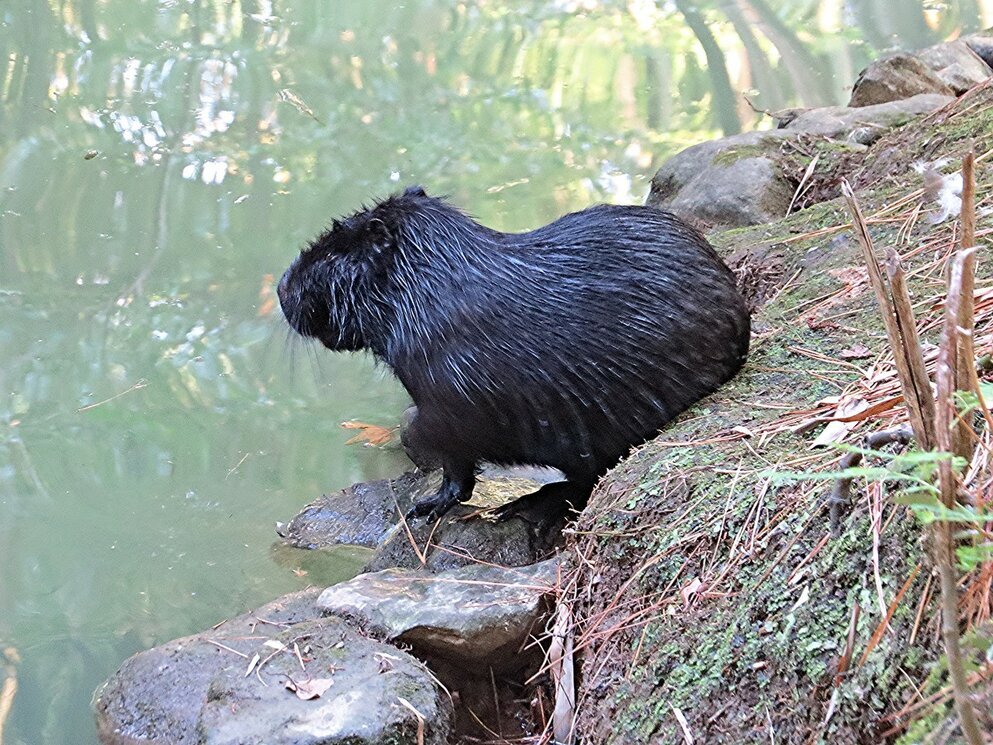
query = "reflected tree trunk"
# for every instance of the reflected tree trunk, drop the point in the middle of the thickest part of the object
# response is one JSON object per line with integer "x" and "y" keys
{"x": 658, "y": 77}
{"x": 725, "y": 102}
{"x": 866, "y": 20}
{"x": 891, "y": 23}
{"x": 88, "y": 19}
{"x": 764, "y": 78}
{"x": 800, "y": 62}
{"x": 906, "y": 19}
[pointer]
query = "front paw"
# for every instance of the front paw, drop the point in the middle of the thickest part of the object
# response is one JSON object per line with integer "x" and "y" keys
{"x": 433, "y": 508}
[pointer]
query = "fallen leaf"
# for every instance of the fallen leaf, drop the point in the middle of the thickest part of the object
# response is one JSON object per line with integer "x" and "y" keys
{"x": 690, "y": 589}
{"x": 819, "y": 324}
{"x": 836, "y": 430}
{"x": 370, "y": 434}
{"x": 252, "y": 664}
{"x": 855, "y": 352}
{"x": 307, "y": 690}
{"x": 267, "y": 296}
{"x": 297, "y": 103}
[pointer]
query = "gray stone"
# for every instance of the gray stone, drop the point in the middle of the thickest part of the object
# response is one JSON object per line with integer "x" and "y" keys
{"x": 367, "y": 514}
{"x": 361, "y": 515}
{"x": 194, "y": 690}
{"x": 362, "y": 686}
{"x": 736, "y": 181}
{"x": 727, "y": 183}
{"x": 686, "y": 166}
{"x": 156, "y": 695}
{"x": 865, "y": 124}
{"x": 956, "y": 64}
{"x": 465, "y": 537}
{"x": 473, "y": 617}
{"x": 982, "y": 44}
{"x": 895, "y": 77}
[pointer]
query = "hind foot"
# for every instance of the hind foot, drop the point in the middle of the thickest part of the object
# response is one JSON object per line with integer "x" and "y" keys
{"x": 547, "y": 505}
{"x": 454, "y": 489}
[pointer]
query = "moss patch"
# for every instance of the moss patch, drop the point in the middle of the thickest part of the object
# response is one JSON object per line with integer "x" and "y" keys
{"x": 709, "y": 592}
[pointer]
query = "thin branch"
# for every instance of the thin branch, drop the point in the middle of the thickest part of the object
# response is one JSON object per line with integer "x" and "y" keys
{"x": 944, "y": 546}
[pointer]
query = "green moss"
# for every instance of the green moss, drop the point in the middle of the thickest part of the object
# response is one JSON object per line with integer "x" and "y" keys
{"x": 732, "y": 155}
{"x": 762, "y": 642}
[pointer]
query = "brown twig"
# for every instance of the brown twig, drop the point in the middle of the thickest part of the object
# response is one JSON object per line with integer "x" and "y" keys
{"x": 916, "y": 392}
{"x": 932, "y": 421}
{"x": 944, "y": 547}
{"x": 965, "y": 364}
{"x": 841, "y": 491}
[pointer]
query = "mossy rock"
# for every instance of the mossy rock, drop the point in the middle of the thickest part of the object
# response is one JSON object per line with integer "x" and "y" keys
{"x": 711, "y": 600}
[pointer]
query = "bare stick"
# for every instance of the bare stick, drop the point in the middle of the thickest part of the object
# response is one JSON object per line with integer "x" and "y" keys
{"x": 923, "y": 429}
{"x": 560, "y": 659}
{"x": 842, "y": 487}
{"x": 965, "y": 372}
{"x": 921, "y": 404}
{"x": 948, "y": 357}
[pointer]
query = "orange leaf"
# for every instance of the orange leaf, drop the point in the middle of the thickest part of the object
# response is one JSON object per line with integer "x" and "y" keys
{"x": 370, "y": 434}
{"x": 267, "y": 296}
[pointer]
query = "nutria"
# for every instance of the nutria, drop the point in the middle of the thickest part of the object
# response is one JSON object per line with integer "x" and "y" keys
{"x": 563, "y": 346}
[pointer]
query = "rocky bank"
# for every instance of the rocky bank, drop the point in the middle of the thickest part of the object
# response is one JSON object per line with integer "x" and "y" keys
{"x": 709, "y": 602}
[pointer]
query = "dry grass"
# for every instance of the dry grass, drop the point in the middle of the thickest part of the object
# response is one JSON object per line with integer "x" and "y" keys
{"x": 871, "y": 398}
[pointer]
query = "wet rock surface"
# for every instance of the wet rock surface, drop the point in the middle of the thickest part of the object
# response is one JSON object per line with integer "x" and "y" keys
{"x": 466, "y": 536}
{"x": 156, "y": 695}
{"x": 350, "y": 690}
{"x": 361, "y": 515}
{"x": 196, "y": 690}
{"x": 368, "y": 515}
{"x": 472, "y": 617}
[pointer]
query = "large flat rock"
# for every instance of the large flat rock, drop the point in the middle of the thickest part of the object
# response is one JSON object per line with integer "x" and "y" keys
{"x": 156, "y": 695}
{"x": 369, "y": 694}
{"x": 473, "y": 617}
{"x": 198, "y": 690}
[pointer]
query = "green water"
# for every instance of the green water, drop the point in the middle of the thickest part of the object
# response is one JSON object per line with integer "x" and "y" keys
{"x": 160, "y": 162}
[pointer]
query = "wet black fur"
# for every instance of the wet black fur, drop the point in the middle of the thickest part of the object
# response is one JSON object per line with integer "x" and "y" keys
{"x": 564, "y": 346}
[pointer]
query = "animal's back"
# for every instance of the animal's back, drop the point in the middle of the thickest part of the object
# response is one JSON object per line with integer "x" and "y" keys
{"x": 596, "y": 330}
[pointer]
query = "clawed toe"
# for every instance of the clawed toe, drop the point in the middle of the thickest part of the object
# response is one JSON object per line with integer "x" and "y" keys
{"x": 433, "y": 508}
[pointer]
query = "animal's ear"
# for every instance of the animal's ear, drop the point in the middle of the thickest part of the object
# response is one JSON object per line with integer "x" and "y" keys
{"x": 378, "y": 236}
{"x": 415, "y": 191}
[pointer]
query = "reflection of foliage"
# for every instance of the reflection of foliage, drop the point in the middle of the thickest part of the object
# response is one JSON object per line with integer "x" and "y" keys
{"x": 227, "y": 94}
{"x": 157, "y": 159}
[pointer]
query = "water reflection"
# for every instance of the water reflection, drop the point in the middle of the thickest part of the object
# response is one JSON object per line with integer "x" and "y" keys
{"x": 161, "y": 161}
